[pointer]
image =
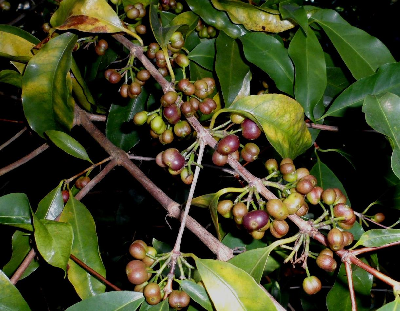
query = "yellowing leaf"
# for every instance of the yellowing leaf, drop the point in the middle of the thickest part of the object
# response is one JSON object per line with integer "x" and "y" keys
{"x": 253, "y": 18}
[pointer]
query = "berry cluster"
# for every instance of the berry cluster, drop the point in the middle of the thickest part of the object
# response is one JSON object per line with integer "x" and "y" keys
{"x": 205, "y": 31}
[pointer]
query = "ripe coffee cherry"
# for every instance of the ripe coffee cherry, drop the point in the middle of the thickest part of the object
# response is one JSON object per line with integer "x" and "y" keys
{"x": 201, "y": 89}
{"x": 335, "y": 239}
{"x": 173, "y": 159}
{"x": 187, "y": 109}
{"x": 141, "y": 29}
{"x": 348, "y": 224}
{"x": 65, "y": 195}
{"x": 124, "y": 90}
{"x": 182, "y": 60}
{"x": 304, "y": 186}
{"x": 291, "y": 177}
{"x": 186, "y": 87}
{"x": 172, "y": 114}
{"x": 293, "y": 202}
{"x": 224, "y": 207}
{"x": 138, "y": 250}
{"x": 195, "y": 103}
{"x": 237, "y": 118}
{"x": 152, "y": 293}
{"x": 133, "y": 13}
{"x": 219, "y": 159}
{"x": 235, "y": 155}
{"x": 303, "y": 210}
{"x": 271, "y": 165}
{"x": 101, "y": 47}
{"x": 326, "y": 251}
{"x": 378, "y": 217}
{"x": 287, "y": 168}
{"x": 136, "y": 272}
{"x": 239, "y": 210}
{"x": 82, "y": 182}
{"x": 348, "y": 238}
{"x": 169, "y": 98}
{"x": 207, "y": 106}
{"x": 250, "y": 152}
{"x": 210, "y": 84}
{"x": 178, "y": 299}
{"x": 277, "y": 209}
{"x": 250, "y": 129}
{"x": 143, "y": 75}
{"x": 286, "y": 160}
{"x": 182, "y": 129}
{"x": 279, "y": 228}
{"x": 328, "y": 196}
{"x": 326, "y": 262}
{"x": 302, "y": 172}
{"x": 140, "y": 118}
{"x": 228, "y": 144}
{"x": 166, "y": 137}
{"x": 314, "y": 196}
{"x": 312, "y": 285}
{"x": 343, "y": 210}
{"x": 134, "y": 89}
{"x": 159, "y": 159}
{"x": 340, "y": 197}
{"x": 255, "y": 220}
{"x": 141, "y": 9}
{"x": 186, "y": 177}
{"x": 148, "y": 261}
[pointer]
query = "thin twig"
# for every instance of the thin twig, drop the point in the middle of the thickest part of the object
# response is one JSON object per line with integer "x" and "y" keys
{"x": 97, "y": 117}
{"x": 23, "y": 160}
{"x": 349, "y": 273}
{"x": 363, "y": 250}
{"x": 88, "y": 169}
{"x": 23, "y": 266}
{"x": 13, "y": 138}
{"x": 138, "y": 158}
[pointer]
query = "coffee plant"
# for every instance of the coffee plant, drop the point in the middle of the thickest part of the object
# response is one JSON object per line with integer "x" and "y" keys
{"x": 222, "y": 108}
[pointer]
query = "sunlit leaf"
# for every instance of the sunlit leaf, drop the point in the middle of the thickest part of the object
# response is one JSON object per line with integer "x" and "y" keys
{"x": 51, "y": 205}
{"x": 85, "y": 247}
{"x": 362, "y": 280}
{"x": 294, "y": 12}
{"x": 112, "y": 301}
{"x": 362, "y": 53}
{"x": 186, "y": 18}
{"x": 203, "y": 201}
{"x": 204, "y": 54}
{"x": 310, "y": 78}
{"x": 15, "y": 211}
{"x": 197, "y": 293}
{"x": 391, "y": 306}
{"x": 215, "y": 18}
{"x": 221, "y": 282}
{"x": 252, "y": 17}
{"x": 382, "y": 113}
{"x": 10, "y": 297}
{"x": 378, "y": 237}
{"x": 11, "y": 77}
{"x": 267, "y": 53}
{"x": 45, "y": 89}
{"x": 68, "y": 144}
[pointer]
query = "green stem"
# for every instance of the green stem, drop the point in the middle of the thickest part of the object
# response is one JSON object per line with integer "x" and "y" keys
{"x": 171, "y": 71}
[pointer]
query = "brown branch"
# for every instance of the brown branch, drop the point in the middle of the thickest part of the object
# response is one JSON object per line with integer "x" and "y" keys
{"x": 323, "y": 127}
{"x": 363, "y": 250}
{"x": 23, "y": 160}
{"x": 13, "y": 138}
{"x": 97, "y": 117}
{"x": 23, "y": 266}
{"x": 349, "y": 274}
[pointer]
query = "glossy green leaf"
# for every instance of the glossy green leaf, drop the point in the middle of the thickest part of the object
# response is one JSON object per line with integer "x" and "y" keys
{"x": 338, "y": 299}
{"x": 16, "y": 42}
{"x": 310, "y": 78}
{"x": 336, "y": 83}
{"x": 197, "y": 72}
{"x": 391, "y": 306}
{"x": 215, "y": 18}
{"x": 378, "y": 237}
{"x": 85, "y": 247}
{"x": 252, "y": 17}
{"x": 294, "y": 12}
{"x": 18, "y": 59}
{"x": 204, "y": 54}
{"x": 96, "y": 68}
{"x": 221, "y": 282}
{"x": 270, "y": 55}
{"x": 186, "y": 18}
{"x": 191, "y": 41}
{"x": 362, "y": 280}
{"x": 281, "y": 118}
{"x": 362, "y": 53}
{"x": 111, "y": 301}
{"x": 45, "y": 96}
{"x": 120, "y": 129}
{"x": 197, "y": 293}
{"x": 326, "y": 178}
{"x": 15, "y": 211}
{"x": 162, "y": 306}
{"x": 162, "y": 34}
{"x": 166, "y": 17}
{"x": 20, "y": 248}
{"x": 68, "y": 144}
{"x": 382, "y": 113}
{"x": 10, "y": 297}
{"x": 51, "y": 205}
{"x": 230, "y": 68}
{"x": 80, "y": 88}
{"x": 203, "y": 201}
{"x": 386, "y": 79}
{"x": 53, "y": 241}
{"x": 11, "y": 77}
{"x": 357, "y": 230}
{"x": 95, "y": 16}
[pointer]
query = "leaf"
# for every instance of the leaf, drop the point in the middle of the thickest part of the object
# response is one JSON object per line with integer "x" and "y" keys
{"x": 281, "y": 118}
{"x": 96, "y": 68}
{"x": 252, "y": 17}
{"x": 386, "y": 79}
{"x": 54, "y": 241}
{"x": 309, "y": 61}
{"x": 216, "y": 18}
{"x": 120, "y": 129}
{"x": 357, "y": 230}
{"x": 162, "y": 306}
{"x": 294, "y": 12}
{"x": 230, "y": 68}
{"x": 336, "y": 83}
{"x": 186, "y": 18}
{"x": 362, "y": 280}
{"x": 197, "y": 293}
{"x": 16, "y": 42}
{"x": 204, "y": 54}
{"x": 51, "y": 206}
{"x": 267, "y": 53}
{"x": 20, "y": 248}
{"x": 10, "y": 297}
{"x": 85, "y": 247}
{"x": 95, "y": 16}
{"x": 326, "y": 178}
{"x": 111, "y": 301}
{"x": 197, "y": 72}
{"x": 45, "y": 96}
{"x": 382, "y": 114}
{"x": 11, "y": 77}
{"x": 203, "y": 201}
{"x": 378, "y": 237}
{"x": 166, "y": 17}
{"x": 362, "y": 53}
{"x": 338, "y": 299}
{"x": 80, "y": 88}
{"x": 221, "y": 281}
{"x": 391, "y": 306}
{"x": 68, "y": 144}
{"x": 15, "y": 211}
